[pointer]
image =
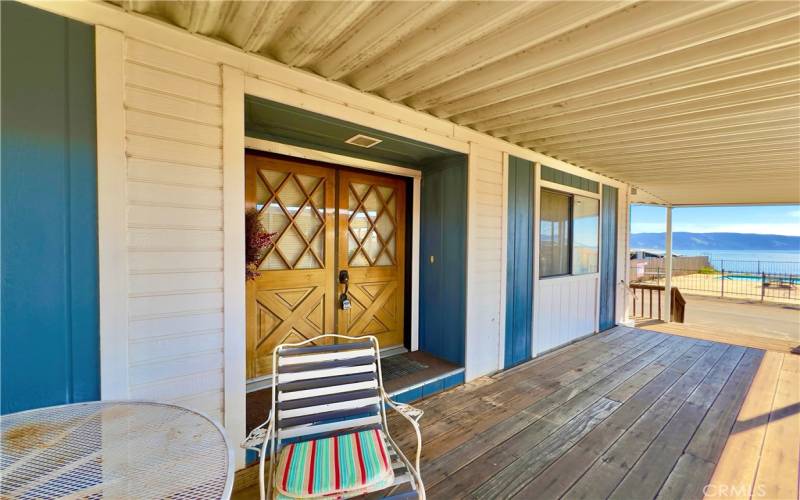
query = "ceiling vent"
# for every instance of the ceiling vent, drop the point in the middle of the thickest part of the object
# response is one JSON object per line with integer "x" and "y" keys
{"x": 363, "y": 141}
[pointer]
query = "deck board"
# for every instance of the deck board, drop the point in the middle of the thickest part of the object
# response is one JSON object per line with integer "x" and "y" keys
{"x": 624, "y": 414}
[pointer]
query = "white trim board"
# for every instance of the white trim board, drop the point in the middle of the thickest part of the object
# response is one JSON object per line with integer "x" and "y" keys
{"x": 112, "y": 213}
{"x": 234, "y": 297}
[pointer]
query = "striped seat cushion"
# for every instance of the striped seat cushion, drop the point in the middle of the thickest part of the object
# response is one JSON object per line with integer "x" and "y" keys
{"x": 334, "y": 466}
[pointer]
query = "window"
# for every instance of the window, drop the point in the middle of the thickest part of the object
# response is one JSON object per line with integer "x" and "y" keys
{"x": 568, "y": 234}
{"x": 554, "y": 234}
{"x": 585, "y": 234}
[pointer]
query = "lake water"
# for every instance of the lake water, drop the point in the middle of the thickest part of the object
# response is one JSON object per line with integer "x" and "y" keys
{"x": 755, "y": 261}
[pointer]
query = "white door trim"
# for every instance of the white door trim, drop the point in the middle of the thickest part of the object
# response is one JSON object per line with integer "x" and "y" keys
{"x": 234, "y": 307}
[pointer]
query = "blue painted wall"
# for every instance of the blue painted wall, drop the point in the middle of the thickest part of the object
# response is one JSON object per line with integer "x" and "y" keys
{"x": 443, "y": 282}
{"x": 608, "y": 266}
{"x": 519, "y": 269}
{"x": 49, "y": 323}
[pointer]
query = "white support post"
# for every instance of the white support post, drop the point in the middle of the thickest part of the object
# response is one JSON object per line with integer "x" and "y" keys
{"x": 668, "y": 268}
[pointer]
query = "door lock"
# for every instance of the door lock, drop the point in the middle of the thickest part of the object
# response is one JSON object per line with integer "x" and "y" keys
{"x": 344, "y": 279}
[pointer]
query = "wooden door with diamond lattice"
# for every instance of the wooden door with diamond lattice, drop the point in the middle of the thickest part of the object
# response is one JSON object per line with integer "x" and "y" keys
{"x": 371, "y": 243}
{"x": 292, "y": 298}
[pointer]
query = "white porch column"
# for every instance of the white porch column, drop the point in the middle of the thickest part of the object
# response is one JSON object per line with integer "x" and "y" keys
{"x": 668, "y": 268}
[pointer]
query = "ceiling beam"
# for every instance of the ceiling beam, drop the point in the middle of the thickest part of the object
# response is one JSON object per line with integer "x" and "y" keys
{"x": 717, "y": 98}
{"x": 559, "y": 64}
{"x": 629, "y": 83}
{"x": 388, "y": 26}
{"x": 741, "y": 113}
{"x": 720, "y": 126}
{"x": 456, "y": 28}
{"x": 503, "y": 43}
{"x": 791, "y": 129}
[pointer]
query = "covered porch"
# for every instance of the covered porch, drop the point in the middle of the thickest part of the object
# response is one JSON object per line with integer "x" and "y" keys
{"x": 628, "y": 413}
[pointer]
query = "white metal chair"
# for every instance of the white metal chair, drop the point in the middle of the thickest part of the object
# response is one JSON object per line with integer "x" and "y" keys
{"x": 329, "y": 416}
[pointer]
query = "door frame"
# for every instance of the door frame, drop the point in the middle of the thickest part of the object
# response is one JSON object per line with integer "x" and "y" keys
{"x": 369, "y": 165}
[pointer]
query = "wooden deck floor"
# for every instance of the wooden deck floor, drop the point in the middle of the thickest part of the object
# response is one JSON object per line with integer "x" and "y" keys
{"x": 628, "y": 414}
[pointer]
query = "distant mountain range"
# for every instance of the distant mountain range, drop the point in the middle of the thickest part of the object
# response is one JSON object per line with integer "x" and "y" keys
{"x": 716, "y": 241}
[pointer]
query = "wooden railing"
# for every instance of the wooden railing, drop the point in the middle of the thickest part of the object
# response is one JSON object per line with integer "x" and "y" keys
{"x": 653, "y": 293}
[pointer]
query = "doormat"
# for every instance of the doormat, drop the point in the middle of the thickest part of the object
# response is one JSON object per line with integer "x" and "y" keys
{"x": 395, "y": 367}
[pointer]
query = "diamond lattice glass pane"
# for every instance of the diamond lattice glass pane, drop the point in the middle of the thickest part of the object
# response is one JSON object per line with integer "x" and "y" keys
{"x": 273, "y": 178}
{"x": 373, "y": 205}
{"x": 390, "y": 247}
{"x": 352, "y": 245}
{"x": 273, "y": 262}
{"x": 384, "y": 225}
{"x": 307, "y": 222}
{"x": 291, "y": 245}
{"x": 262, "y": 193}
{"x": 372, "y": 246}
{"x": 292, "y": 196}
{"x": 318, "y": 245}
{"x": 273, "y": 218}
{"x": 384, "y": 260}
{"x": 359, "y": 260}
{"x": 352, "y": 202}
{"x": 308, "y": 182}
{"x": 387, "y": 194}
{"x": 360, "y": 189}
{"x": 307, "y": 261}
{"x": 390, "y": 206}
{"x": 360, "y": 224}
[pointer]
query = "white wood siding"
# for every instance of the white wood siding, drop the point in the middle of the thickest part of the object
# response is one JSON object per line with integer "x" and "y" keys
{"x": 173, "y": 130}
{"x": 484, "y": 260}
{"x": 566, "y": 310}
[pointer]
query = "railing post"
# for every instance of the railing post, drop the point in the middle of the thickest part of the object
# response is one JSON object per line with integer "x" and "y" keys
{"x": 722, "y": 280}
{"x": 763, "y": 284}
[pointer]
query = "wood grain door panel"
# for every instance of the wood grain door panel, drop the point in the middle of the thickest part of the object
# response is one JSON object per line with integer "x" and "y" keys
{"x": 372, "y": 249}
{"x": 293, "y": 297}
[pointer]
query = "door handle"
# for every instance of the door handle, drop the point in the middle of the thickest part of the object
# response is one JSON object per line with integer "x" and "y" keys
{"x": 344, "y": 278}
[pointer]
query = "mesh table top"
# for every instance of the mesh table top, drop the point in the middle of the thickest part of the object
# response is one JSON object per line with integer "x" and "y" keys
{"x": 113, "y": 450}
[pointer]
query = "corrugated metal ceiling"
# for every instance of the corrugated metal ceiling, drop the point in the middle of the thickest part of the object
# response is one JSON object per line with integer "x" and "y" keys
{"x": 694, "y": 102}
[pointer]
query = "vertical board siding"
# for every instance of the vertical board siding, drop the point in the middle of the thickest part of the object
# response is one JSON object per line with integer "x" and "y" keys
{"x": 566, "y": 311}
{"x": 50, "y": 324}
{"x": 519, "y": 269}
{"x": 443, "y": 215}
{"x": 608, "y": 265}
{"x": 175, "y": 241}
{"x": 485, "y": 261}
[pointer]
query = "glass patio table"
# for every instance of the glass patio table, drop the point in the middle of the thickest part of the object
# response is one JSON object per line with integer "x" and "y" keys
{"x": 121, "y": 449}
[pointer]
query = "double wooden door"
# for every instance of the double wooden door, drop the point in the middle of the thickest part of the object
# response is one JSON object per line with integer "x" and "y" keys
{"x": 326, "y": 220}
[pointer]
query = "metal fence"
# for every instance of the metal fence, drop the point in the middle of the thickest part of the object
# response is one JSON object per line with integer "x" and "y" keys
{"x": 755, "y": 280}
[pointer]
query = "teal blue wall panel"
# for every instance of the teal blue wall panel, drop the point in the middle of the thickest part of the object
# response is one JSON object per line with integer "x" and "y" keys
{"x": 566, "y": 179}
{"x": 519, "y": 268}
{"x": 49, "y": 323}
{"x": 608, "y": 266}
{"x": 443, "y": 282}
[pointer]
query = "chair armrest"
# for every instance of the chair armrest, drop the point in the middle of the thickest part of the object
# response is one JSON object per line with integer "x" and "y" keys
{"x": 412, "y": 415}
{"x": 255, "y": 440}
{"x": 404, "y": 409}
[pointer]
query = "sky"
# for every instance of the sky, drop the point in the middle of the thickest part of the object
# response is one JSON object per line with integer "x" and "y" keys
{"x": 779, "y": 219}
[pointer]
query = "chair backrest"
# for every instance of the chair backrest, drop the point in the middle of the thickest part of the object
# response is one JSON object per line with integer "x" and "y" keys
{"x": 324, "y": 390}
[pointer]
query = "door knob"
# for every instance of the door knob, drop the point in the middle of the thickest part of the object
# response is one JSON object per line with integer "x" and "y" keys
{"x": 344, "y": 278}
